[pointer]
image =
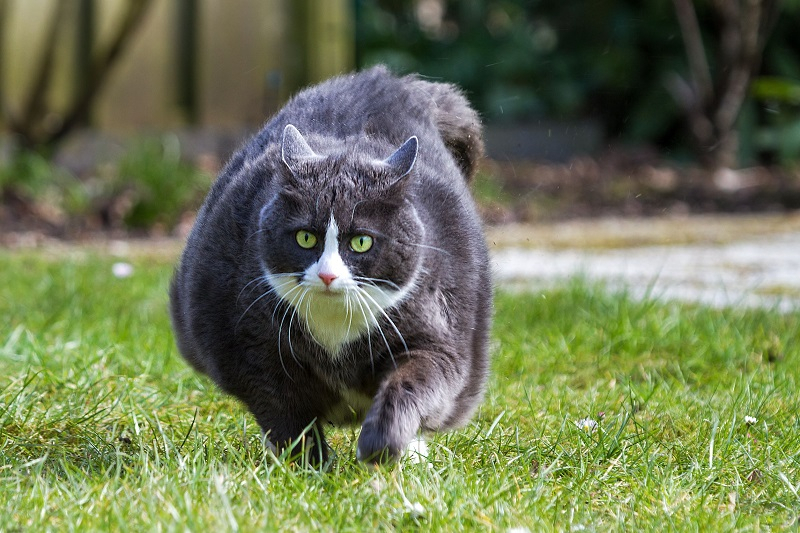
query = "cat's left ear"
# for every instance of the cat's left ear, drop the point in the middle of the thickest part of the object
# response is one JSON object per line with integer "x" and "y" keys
{"x": 402, "y": 161}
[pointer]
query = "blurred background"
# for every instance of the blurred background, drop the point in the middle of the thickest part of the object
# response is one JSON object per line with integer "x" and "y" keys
{"x": 115, "y": 115}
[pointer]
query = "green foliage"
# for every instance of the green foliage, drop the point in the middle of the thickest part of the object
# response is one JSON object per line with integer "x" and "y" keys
{"x": 29, "y": 173}
{"x": 778, "y": 133}
{"x": 149, "y": 187}
{"x": 487, "y": 190}
{"x": 769, "y": 123}
{"x": 103, "y": 427}
{"x": 158, "y": 186}
{"x": 524, "y": 60}
{"x": 34, "y": 178}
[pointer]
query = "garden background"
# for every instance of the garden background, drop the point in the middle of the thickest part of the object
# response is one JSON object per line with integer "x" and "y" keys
{"x": 610, "y": 407}
{"x": 617, "y": 107}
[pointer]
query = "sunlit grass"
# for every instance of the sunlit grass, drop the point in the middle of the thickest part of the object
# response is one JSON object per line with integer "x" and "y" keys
{"x": 103, "y": 427}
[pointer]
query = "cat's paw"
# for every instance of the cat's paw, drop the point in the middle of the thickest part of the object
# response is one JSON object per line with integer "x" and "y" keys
{"x": 307, "y": 449}
{"x": 379, "y": 445}
{"x": 417, "y": 451}
{"x": 390, "y": 424}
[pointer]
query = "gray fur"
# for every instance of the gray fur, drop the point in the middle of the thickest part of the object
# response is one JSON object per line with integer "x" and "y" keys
{"x": 381, "y": 154}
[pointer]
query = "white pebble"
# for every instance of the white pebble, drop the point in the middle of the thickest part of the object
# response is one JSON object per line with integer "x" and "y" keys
{"x": 122, "y": 270}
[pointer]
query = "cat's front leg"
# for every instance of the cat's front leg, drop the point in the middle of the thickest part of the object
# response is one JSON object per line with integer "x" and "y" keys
{"x": 421, "y": 393}
{"x": 306, "y": 444}
{"x": 289, "y": 417}
{"x": 286, "y": 426}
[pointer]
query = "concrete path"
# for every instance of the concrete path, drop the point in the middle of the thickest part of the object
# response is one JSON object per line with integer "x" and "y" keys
{"x": 729, "y": 261}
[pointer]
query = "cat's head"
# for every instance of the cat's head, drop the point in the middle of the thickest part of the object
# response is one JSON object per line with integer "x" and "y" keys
{"x": 340, "y": 239}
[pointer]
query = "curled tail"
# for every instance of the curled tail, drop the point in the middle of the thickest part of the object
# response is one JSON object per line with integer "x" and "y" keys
{"x": 458, "y": 124}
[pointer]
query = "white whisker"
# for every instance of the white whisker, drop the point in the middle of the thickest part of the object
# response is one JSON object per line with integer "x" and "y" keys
{"x": 307, "y": 313}
{"x": 426, "y": 246}
{"x": 374, "y": 282}
{"x": 348, "y": 311}
{"x": 253, "y": 234}
{"x": 265, "y": 294}
{"x": 294, "y": 306}
{"x": 289, "y": 308}
{"x": 353, "y": 213}
{"x": 366, "y": 321}
{"x": 361, "y": 292}
{"x": 259, "y": 281}
{"x": 388, "y": 319}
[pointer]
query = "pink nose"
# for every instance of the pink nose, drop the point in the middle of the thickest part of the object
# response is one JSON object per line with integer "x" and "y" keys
{"x": 327, "y": 278}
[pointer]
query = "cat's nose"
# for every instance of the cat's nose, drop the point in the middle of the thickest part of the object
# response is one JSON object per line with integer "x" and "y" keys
{"x": 327, "y": 278}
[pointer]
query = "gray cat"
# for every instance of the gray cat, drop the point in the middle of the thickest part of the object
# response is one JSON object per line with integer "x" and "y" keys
{"x": 337, "y": 272}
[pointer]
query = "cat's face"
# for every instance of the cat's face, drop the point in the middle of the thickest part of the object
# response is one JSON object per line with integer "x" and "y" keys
{"x": 340, "y": 242}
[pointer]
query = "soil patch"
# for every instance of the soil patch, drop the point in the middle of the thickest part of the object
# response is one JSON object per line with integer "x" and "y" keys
{"x": 629, "y": 184}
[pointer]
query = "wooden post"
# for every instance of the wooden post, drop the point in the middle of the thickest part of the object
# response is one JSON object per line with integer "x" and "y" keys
{"x": 3, "y": 67}
{"x": 186, "y": 58}
{"x": 84, "y": 48}
{"x": 324, "y": 36}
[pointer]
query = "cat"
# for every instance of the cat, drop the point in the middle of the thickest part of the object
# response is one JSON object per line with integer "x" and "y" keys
{"x": 337, "y": 271}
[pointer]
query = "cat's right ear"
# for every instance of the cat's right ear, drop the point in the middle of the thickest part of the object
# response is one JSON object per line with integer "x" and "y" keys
{"x": 295, "y": 151}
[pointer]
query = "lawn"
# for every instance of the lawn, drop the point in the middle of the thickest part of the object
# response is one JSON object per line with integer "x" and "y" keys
{"x": 603, "y": 412}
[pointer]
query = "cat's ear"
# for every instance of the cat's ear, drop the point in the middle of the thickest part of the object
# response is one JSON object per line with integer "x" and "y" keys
{"x": 295, "y": 150}
{"x": 402, "y": 160}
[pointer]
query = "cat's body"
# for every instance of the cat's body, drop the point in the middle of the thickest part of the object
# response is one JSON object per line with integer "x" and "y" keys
{"x": 334, "y": 277}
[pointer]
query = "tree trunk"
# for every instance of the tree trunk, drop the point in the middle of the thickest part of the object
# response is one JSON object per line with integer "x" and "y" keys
{"x": 712, "y": 102}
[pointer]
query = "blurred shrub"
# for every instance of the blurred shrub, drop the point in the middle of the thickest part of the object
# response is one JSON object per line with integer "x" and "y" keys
{"x": 152, "y": 186}
{"x": 771, "y": 124}
{"x": 29, "y": 174}
{"x": 523, "y": 60}
{"x": 777, "y": 131}
{"x": 49, "y": 191}
{"x": 149, "y": 188}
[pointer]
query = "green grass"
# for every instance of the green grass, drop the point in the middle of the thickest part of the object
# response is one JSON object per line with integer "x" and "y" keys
{"x": 103, "y": 427}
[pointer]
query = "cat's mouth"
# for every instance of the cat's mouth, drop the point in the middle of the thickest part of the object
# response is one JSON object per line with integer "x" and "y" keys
{"x": 329, "y": 292}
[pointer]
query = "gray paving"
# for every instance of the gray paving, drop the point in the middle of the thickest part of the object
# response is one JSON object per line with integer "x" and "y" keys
{"x": 762, "y": 270}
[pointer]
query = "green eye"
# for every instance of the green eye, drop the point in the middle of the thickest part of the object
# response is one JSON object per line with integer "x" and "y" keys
{"x": 306, "y": 239}
{"x": 361, "y": 243}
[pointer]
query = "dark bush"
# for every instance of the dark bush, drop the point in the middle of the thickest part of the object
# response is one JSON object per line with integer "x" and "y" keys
{"x": 610, "y": 60}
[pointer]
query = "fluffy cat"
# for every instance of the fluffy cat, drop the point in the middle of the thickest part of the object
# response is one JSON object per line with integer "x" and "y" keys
{"x": 337, "y": 271}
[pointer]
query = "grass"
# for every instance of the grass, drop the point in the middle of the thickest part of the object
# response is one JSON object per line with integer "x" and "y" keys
{"x": 103, "y": 427}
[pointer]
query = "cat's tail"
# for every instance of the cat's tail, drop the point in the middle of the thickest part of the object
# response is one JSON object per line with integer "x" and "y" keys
{"x": 458, "y": 124}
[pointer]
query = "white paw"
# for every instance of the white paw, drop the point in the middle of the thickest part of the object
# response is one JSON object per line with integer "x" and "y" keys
{"x": 417, "y": 451}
